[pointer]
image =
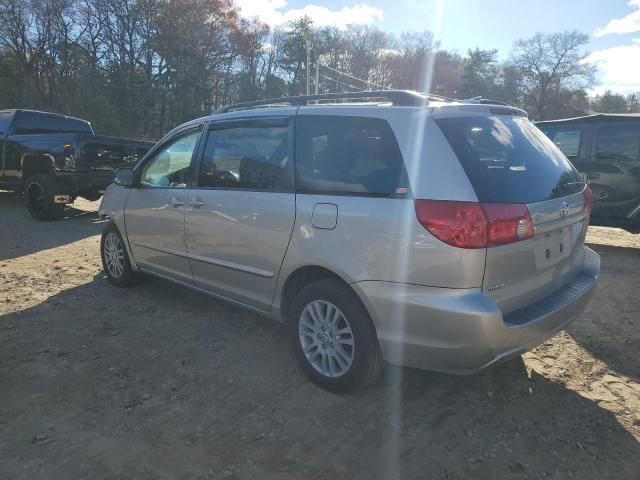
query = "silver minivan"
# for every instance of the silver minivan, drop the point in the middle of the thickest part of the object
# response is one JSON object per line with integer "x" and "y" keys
{"x": 380, "y": 226}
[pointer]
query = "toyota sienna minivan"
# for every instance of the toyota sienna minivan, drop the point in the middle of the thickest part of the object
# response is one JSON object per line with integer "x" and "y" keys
{"x": 379, "y": 226}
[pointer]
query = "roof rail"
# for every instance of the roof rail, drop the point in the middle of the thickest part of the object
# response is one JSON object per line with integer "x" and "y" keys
{"x": 485, "y": 101}
{"x": 405, "y": 98}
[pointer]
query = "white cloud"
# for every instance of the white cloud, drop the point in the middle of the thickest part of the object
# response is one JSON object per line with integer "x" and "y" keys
{"x": 619, "y": 66}
{"x": 627, "y": 24}
{"x": 274, "y": 13}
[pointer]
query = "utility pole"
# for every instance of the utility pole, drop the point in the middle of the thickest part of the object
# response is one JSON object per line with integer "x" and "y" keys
{"x": 317, "y": 72}
{"x": 308, "y": 67}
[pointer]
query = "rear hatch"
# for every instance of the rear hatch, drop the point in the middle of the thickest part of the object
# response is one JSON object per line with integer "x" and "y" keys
{"x": 512, "y": 164}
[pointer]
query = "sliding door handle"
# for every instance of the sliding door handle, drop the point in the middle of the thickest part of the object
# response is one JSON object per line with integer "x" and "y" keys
{"x": 174, "y": 202}
{"x": 196, "y": 202}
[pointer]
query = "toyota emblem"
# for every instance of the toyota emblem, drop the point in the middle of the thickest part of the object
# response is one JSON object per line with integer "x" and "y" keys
{"x": 564, "y": 209}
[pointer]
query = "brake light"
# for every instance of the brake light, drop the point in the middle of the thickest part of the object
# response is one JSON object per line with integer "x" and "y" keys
{"x": 474, "y": 225}
{"x": 588, "y": 199}
{"x": 507, "y": 223}
{"x": 461, "y": 224}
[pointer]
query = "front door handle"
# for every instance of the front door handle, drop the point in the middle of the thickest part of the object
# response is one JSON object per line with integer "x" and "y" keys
{"x": 196, "y": 202}
{"x": 174, "y": 202}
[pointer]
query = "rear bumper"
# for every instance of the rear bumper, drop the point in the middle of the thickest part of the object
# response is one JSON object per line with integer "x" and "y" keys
{"x": 462, "y": 330}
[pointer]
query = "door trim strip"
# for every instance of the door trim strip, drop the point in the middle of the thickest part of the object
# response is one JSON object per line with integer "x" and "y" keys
{"x": 232, "y": 265}
{"x": 212, "y": 261}
{"x": 161, "y": 250}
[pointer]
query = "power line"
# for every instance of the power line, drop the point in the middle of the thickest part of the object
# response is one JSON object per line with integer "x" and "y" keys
{"x": 341, "y": 83}
{"x": 353, "y": 77}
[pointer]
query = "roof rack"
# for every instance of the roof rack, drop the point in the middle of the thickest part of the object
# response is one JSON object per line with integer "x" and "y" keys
{"x": 405, "y": 98}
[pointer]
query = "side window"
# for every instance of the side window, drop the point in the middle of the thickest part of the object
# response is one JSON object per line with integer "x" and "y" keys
{"x": 5, "y": 121}
{"x": 618, "y": 143}
{"x": 170, "y": 167}
{"x": 566, "y": 139}
{"x": 348, "y": 155}
{"x": 250, "y": 156}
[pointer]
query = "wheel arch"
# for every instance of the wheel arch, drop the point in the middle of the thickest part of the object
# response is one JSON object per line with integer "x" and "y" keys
{"x": 303, "y": 276}
{"x": 36, "y": 163}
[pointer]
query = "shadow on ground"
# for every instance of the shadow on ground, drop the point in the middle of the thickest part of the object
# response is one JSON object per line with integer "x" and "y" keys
{"x": 160, "y": 382}
{"x": 20, "y": 234}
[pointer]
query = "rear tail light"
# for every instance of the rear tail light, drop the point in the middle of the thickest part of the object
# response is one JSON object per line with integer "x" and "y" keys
{"x": 474, "y": 225}
{"x": 588, "y": 199}
{"x": 507, "y": 223}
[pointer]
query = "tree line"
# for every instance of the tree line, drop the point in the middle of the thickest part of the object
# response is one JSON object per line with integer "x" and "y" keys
{"x": 140, "y": 67}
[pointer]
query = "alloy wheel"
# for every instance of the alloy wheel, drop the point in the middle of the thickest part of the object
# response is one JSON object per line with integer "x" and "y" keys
{"x": 114, "y": 255}
{"x": 326, "y": 338}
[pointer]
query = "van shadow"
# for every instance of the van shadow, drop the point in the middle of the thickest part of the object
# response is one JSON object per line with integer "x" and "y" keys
{"x": 21, "y": 234}
{"x": 610, "y": 327}
{"x": 158, "y": 381}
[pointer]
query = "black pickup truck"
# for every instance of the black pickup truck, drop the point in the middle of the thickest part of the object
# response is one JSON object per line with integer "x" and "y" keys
{"x": 54, "y": 158}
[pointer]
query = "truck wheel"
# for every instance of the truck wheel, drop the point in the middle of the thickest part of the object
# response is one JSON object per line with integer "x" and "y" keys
{"x": 115, "y": 260}
{"x": 333, "y": 337}
{"x": 39, "y": 192}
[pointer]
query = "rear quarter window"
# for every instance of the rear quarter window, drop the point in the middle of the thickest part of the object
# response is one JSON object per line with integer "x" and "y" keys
{"x": 509, "y": 160}
{"x": 349, "y": 156}
{"x": 5, "y": 121}
{"x": 34, "y": 123}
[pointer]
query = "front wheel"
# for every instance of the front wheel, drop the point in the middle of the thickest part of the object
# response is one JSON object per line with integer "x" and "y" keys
{"x": 333, "y": 337}
{"x": 115, "y": 260}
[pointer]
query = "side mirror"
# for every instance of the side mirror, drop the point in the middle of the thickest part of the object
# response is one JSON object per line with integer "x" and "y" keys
{"x": 123, "y": 176}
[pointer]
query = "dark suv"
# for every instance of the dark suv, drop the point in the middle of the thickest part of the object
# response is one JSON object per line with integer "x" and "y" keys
{"x": 605, "y": 148}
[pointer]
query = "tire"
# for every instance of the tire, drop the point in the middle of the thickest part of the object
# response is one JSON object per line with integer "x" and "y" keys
{"x": 115, "y": 259}
{"x": 340, "y": 357}
{"x": 39, "y": 191}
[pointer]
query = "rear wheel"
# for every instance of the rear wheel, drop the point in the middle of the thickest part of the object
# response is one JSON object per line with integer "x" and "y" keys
{"x": 115, "y": 260}
{"x": 39, "y": 193}
{"x": 333, "y": 337}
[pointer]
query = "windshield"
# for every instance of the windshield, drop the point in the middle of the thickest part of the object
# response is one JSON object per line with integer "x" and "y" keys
{"x": 508, "y": 160}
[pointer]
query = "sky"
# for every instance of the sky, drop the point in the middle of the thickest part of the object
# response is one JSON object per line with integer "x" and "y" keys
{"x": 612, "y": 25}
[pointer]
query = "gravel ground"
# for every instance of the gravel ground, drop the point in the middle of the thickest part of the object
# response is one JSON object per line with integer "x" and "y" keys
{"x": 158, "y": 382}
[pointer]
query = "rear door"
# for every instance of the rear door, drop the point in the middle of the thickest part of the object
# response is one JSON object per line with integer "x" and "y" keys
{"x": 154, "y": 212}
{"x": 615, "y": 173}
{"x": 510, "y": 161}
{"x": 241, "y": 211}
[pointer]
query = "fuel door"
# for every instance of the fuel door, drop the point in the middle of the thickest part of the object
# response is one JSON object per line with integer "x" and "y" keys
{"x": 324, "y": 216}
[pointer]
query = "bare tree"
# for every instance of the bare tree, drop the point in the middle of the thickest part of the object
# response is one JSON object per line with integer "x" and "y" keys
{"x": 549, "y": 64}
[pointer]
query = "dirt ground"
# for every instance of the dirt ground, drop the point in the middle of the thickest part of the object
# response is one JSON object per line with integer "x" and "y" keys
{"x": 158, "y": 382}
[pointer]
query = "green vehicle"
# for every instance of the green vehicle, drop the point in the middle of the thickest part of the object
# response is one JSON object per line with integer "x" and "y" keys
{"x": 605, "y": 148}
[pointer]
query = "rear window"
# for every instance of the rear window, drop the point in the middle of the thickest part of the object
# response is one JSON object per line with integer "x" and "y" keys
{"x": 33, "y": 123}
{"x": 508, "y": 160}
{"x": 348, "y": 156}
